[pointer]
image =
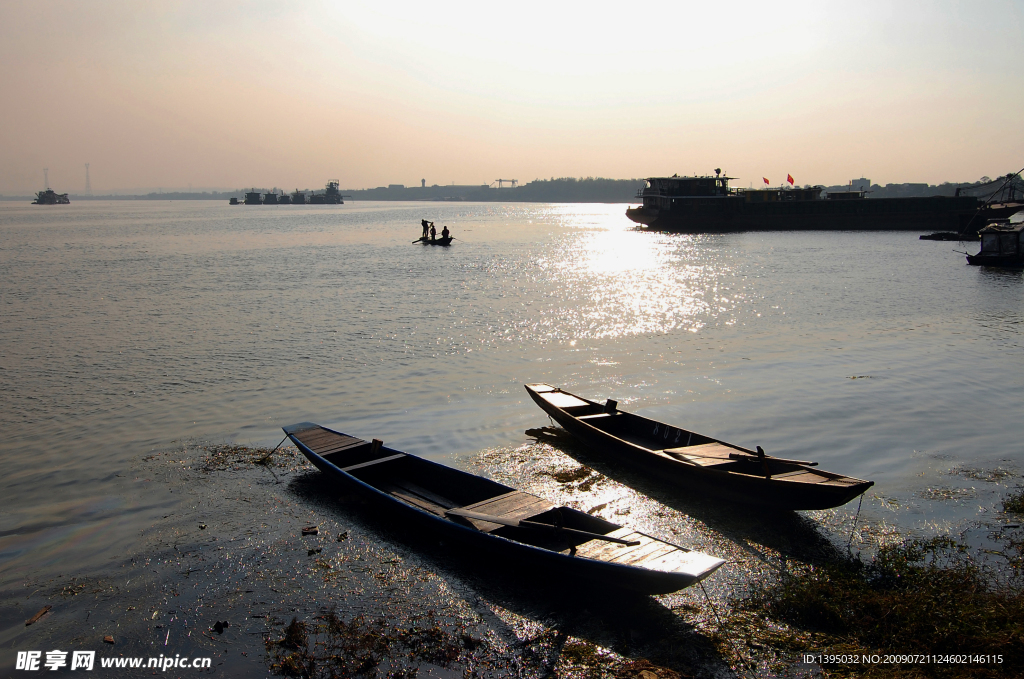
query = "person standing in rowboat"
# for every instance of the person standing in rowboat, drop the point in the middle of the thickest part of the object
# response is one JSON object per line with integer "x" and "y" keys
{"x": 433, "y": 231}
{"x": 426, "y": 227}
{"x": 444, "y": 233}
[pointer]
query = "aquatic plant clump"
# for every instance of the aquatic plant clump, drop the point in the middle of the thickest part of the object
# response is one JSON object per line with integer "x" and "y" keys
{"x": 926, "y": 595}
{"x": 1015, "y": 502}
{"x": 334, "y": 648}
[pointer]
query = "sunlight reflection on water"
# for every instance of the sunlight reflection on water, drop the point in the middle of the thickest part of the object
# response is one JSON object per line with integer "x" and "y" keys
{"x": 125, "y": 327}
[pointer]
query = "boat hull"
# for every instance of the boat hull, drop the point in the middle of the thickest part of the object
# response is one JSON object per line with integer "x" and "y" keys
{"x": 732, "y": 213}
{"x": 1003, "y": 261}
{"x": 641, "y": 444}
{"x": 437, "y": 241}
{"x": 488, "y": 544}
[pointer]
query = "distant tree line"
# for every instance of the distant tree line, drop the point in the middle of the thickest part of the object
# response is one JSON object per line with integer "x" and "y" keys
{"x": 984, "y": 189}
{"x": 553, "y": 190}
{"x": 588, "y": 190}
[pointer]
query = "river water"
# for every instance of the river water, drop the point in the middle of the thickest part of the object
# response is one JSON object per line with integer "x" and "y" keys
{"x": 129, "y": 327}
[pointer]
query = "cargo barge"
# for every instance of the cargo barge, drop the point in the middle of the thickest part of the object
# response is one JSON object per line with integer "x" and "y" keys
{"x": 709, "y": 205}
{"x": 331, "y": 195}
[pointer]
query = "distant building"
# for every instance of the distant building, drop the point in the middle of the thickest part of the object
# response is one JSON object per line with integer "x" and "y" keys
{"x": 396, "y": 186}
{"x": 861, "y": 184}
{"x": 423, "y": 183}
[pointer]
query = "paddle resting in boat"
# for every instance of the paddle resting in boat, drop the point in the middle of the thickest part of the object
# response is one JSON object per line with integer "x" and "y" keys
{"x": 702, "y": 465}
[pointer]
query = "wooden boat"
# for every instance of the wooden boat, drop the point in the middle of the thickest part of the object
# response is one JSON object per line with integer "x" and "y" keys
{"x": 698, "y": 463}
{"x": 437, "y": 241}
{"x": 502, "y": 522}
{"x": 1002, "y": 244}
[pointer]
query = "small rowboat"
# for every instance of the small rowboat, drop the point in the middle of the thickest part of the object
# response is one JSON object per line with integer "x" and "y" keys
{"x": 701, "y": 464}
{"x": 437, "y": 241}
{"x": 493, "y": 519}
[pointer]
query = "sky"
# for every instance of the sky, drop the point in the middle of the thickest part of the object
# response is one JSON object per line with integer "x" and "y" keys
{"x": 290, "y": 94}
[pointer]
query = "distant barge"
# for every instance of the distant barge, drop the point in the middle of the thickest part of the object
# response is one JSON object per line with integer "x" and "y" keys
{"x": 708, "y": 205}
{"x": 330, "y": 196}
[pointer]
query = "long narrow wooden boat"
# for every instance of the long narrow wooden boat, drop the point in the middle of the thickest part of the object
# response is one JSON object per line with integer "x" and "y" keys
{"x": 504, "y": 523}
{"x": 437, "y": 241}
{"x": 701, "y": 464}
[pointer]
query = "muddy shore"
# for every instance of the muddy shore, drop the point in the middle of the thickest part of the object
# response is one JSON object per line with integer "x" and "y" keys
{"x": 232, "y": 550}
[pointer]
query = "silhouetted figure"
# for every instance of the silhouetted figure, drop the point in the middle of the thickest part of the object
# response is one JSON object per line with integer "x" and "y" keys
{"x": 444, "y": 232}
{"x": 426, "y": 227}
{"x": 433, "y": 232}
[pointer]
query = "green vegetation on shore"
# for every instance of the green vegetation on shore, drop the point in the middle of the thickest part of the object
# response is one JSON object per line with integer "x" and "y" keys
{"x": 1015, "y": 502}
{"x": 925, "y": 597}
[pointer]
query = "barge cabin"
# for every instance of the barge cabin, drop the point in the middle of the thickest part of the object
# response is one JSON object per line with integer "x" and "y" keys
{"x": 1002, "y": 244}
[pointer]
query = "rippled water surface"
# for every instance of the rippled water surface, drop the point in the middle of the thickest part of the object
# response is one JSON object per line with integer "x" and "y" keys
{"x": 128, "y": 326}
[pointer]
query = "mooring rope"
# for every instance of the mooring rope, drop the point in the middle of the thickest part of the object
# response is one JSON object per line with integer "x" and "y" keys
{"x": 721, "y": 628}
{"x": 852, "y": 530}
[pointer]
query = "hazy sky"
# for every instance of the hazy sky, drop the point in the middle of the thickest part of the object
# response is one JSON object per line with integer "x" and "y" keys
{"x": 289, "y": 94}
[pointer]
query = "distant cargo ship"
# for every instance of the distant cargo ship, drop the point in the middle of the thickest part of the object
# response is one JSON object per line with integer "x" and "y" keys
{"x": 330, "y": 196}
{"x": 707, "y": 204}
{"x": 50, "y": 197}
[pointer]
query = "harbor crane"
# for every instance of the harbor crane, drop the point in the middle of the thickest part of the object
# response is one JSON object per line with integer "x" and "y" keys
{"x": 501, "y": 182}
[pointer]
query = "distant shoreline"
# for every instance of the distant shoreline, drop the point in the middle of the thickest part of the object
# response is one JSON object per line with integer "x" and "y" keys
{"x": 554, "y": 190}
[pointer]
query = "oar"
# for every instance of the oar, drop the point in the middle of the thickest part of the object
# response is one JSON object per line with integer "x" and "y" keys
{"x": 536, "y": 525}
{"x": 755, "y": 458}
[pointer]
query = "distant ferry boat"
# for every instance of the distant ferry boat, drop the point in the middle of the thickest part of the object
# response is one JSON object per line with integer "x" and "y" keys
{"x": 51, "y": 197}
{"x": 707, "y": 204}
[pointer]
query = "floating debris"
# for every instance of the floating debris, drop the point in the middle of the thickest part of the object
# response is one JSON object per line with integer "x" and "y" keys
{"x": 109, "y": 639}
{"x": 35, "y": 618}
{"x": 219, "y": 626}
{"x": 311, "y": 530}
{"x": 342, "y": 536}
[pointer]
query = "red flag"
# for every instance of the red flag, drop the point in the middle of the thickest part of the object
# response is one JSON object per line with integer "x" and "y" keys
{"x": 789, "y": 178}
{"x": 765, "y": 179}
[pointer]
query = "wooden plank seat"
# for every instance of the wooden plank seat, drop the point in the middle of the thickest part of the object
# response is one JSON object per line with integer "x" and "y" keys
{"x": 415, "y": 495}
{"x": 649, "y": 550}
{"x": 323, "y": 442}
{"x": 560, "y": 399}
{"x": 705, "y": 454}
{"x": 516, "y": 505}
{"x": 370, "y": 463}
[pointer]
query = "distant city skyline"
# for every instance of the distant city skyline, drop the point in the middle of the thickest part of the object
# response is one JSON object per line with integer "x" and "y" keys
{"x": 224, "y": 94}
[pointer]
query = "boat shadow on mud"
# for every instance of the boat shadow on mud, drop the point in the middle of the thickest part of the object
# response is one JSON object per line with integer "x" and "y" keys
{"x": 789, "y": 533}
{"x": 567, "y": 619}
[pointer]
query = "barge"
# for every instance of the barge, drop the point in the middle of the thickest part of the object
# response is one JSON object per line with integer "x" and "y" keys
{"x": 707, "y": 204}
